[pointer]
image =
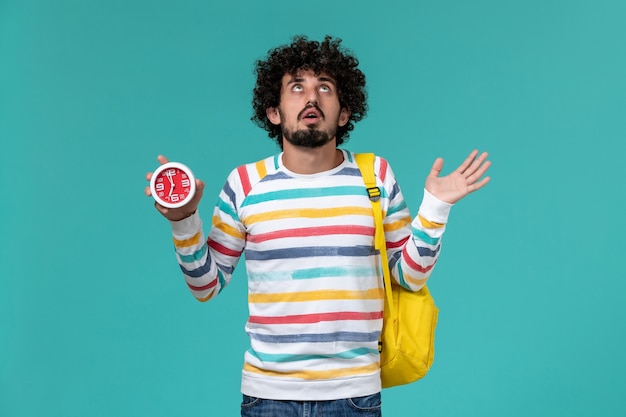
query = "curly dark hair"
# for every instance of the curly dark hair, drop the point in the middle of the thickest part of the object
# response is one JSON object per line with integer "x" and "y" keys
{"x": 302, "y": 54}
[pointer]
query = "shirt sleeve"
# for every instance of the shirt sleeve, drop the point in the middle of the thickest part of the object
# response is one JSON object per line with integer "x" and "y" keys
{"x": 413, "y": 245}
{"x": 207, "y": 263}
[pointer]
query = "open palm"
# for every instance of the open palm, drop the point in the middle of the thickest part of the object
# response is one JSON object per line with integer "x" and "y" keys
{"x": 464, "y": 180}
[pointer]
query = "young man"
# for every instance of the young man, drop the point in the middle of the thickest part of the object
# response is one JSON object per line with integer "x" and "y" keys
{"x": 304, "y": 221}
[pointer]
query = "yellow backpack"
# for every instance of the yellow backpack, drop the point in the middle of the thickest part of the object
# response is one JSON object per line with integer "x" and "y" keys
{"x": 407, "y": 342}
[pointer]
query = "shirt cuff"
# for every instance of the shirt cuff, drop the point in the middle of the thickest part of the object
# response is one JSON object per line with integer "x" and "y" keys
{"x": 186, "y": 227}
{"x": 433, "y": 209}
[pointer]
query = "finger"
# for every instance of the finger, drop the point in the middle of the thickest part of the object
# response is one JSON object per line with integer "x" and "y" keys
{"x": 436, "y": 168}
{"x": 468, "y": 161}
{"x": 162, "y": 160}
{"x": 199, "y": 192}
{"x": 160, "y": 208}
{"x": 479, "y": 172}
{"x": 476, "y": 165}
{"x": 200, "y": 187}
{"x": 478, "y": 185}
{"x": 147, "y": 191}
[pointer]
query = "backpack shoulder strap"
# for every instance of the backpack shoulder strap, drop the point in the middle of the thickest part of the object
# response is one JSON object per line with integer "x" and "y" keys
{"x": 365, "y": 162}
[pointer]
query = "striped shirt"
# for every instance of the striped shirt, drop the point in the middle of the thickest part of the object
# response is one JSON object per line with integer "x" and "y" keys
{"x": 315, "y": 289}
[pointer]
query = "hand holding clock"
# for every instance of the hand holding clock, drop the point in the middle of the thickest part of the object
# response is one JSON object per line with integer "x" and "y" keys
{"x": 186, "y": 203}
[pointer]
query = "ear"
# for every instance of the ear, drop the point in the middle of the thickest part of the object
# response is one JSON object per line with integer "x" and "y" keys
{"x": 273, "y": 115}
{"x": 344, "y": 116}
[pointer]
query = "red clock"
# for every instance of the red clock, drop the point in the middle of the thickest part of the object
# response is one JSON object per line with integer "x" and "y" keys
{"x": 173, "y": 185}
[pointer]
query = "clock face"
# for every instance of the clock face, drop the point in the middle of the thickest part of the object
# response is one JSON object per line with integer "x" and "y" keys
{"x": 173, "y": 185}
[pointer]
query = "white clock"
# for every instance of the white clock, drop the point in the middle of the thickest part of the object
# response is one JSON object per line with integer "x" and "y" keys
{"x": 173, "y": 185}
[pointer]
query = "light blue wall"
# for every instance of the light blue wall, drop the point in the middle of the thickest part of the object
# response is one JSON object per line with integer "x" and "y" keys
{"x": 95, "y": 318}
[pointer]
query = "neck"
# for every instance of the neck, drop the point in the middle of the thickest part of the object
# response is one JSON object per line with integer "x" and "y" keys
{"x": 311, "y": 161}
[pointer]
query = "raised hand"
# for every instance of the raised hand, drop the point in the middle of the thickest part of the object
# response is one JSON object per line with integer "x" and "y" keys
{"x": 464, "y": 180}
{"x": 176, "y": 214}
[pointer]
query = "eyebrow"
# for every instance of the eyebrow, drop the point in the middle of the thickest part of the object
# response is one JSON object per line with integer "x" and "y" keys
{"x": 322, "y": 79}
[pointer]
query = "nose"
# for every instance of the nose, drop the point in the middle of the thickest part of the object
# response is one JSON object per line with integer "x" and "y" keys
{"x": 312, "y": 96}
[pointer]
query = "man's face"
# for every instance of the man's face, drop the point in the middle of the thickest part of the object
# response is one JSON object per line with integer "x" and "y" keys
{"x": 309, "y": 112}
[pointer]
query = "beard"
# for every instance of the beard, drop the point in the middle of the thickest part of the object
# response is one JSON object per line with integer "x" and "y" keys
{"x": 310, "y": 137}
{"x": 307, "y": 138}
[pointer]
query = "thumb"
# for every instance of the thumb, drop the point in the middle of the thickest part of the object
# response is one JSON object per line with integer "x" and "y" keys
{"x": 199, "y": 187}
{"x": 436, "y": 168}
{"x": 199, "y": 191}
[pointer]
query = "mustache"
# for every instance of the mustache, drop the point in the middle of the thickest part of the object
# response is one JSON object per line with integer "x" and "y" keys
{"x": 311, "y": 106}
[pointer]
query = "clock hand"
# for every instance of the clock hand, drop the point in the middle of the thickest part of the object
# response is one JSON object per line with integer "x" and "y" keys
{"x": 169, "y": 177}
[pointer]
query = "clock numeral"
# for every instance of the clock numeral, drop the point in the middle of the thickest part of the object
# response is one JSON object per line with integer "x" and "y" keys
{"x": 170, "y": 171}
{"x": 159, "y": 186}
{"x": 185, "y": 183}
{"x": 175, "y": 198}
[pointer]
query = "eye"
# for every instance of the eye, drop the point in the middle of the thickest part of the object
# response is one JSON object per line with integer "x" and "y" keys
{"x": 296, "y": 88}
{"x": 325, "y": 89}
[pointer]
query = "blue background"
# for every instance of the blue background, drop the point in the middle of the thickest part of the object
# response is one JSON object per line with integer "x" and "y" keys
{"x": 95, "y": 318}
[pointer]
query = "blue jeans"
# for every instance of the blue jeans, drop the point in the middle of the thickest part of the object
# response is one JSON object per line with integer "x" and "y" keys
{"x": 368, "y": 406}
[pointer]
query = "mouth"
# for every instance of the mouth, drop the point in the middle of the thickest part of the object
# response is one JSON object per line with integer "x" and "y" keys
{"x": 311, "y": 115}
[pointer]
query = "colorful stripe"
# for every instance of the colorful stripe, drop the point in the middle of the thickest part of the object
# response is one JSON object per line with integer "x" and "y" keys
{"x": 286, "y": 357}
{"x": 422, "y": 236}
{"x": 312, "y": 231}
{"x": 396, "y": 209}
{"x": 414, "y": 265}
{"x": 352, "y": 337}
{"x": 428, "y": 224}
{"x": 406, "y": 280}
{"x": 317, "y": 375}
{"x": 302, "y": 296}
{"x": 307, "y": 213}
{"x": 397, "y": 225}
{"x": 401, "y": 279}
{"x": 309, "y": 252}
{"x": 194, "y": 257}
{"x": 228, "y": 191}
{"x": 362, "y": 272}
{"x": 427, "y": 252}
{"x": 189, "y": 242}
{"x": 226, "y": 228}
{"x": 395, "y": 245}
{"x": 382, "y": 172}
{"x": 245, "y": 179}
{"x": 223, "y": 249}
{"x": 317, "y": 317}
{"x": 201, "y": 288}
{"x": 200, "y": 272}
{"x": 226, "y": 208}
{"x": 260, "y": 169}
{"x": 304, "y": 193}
